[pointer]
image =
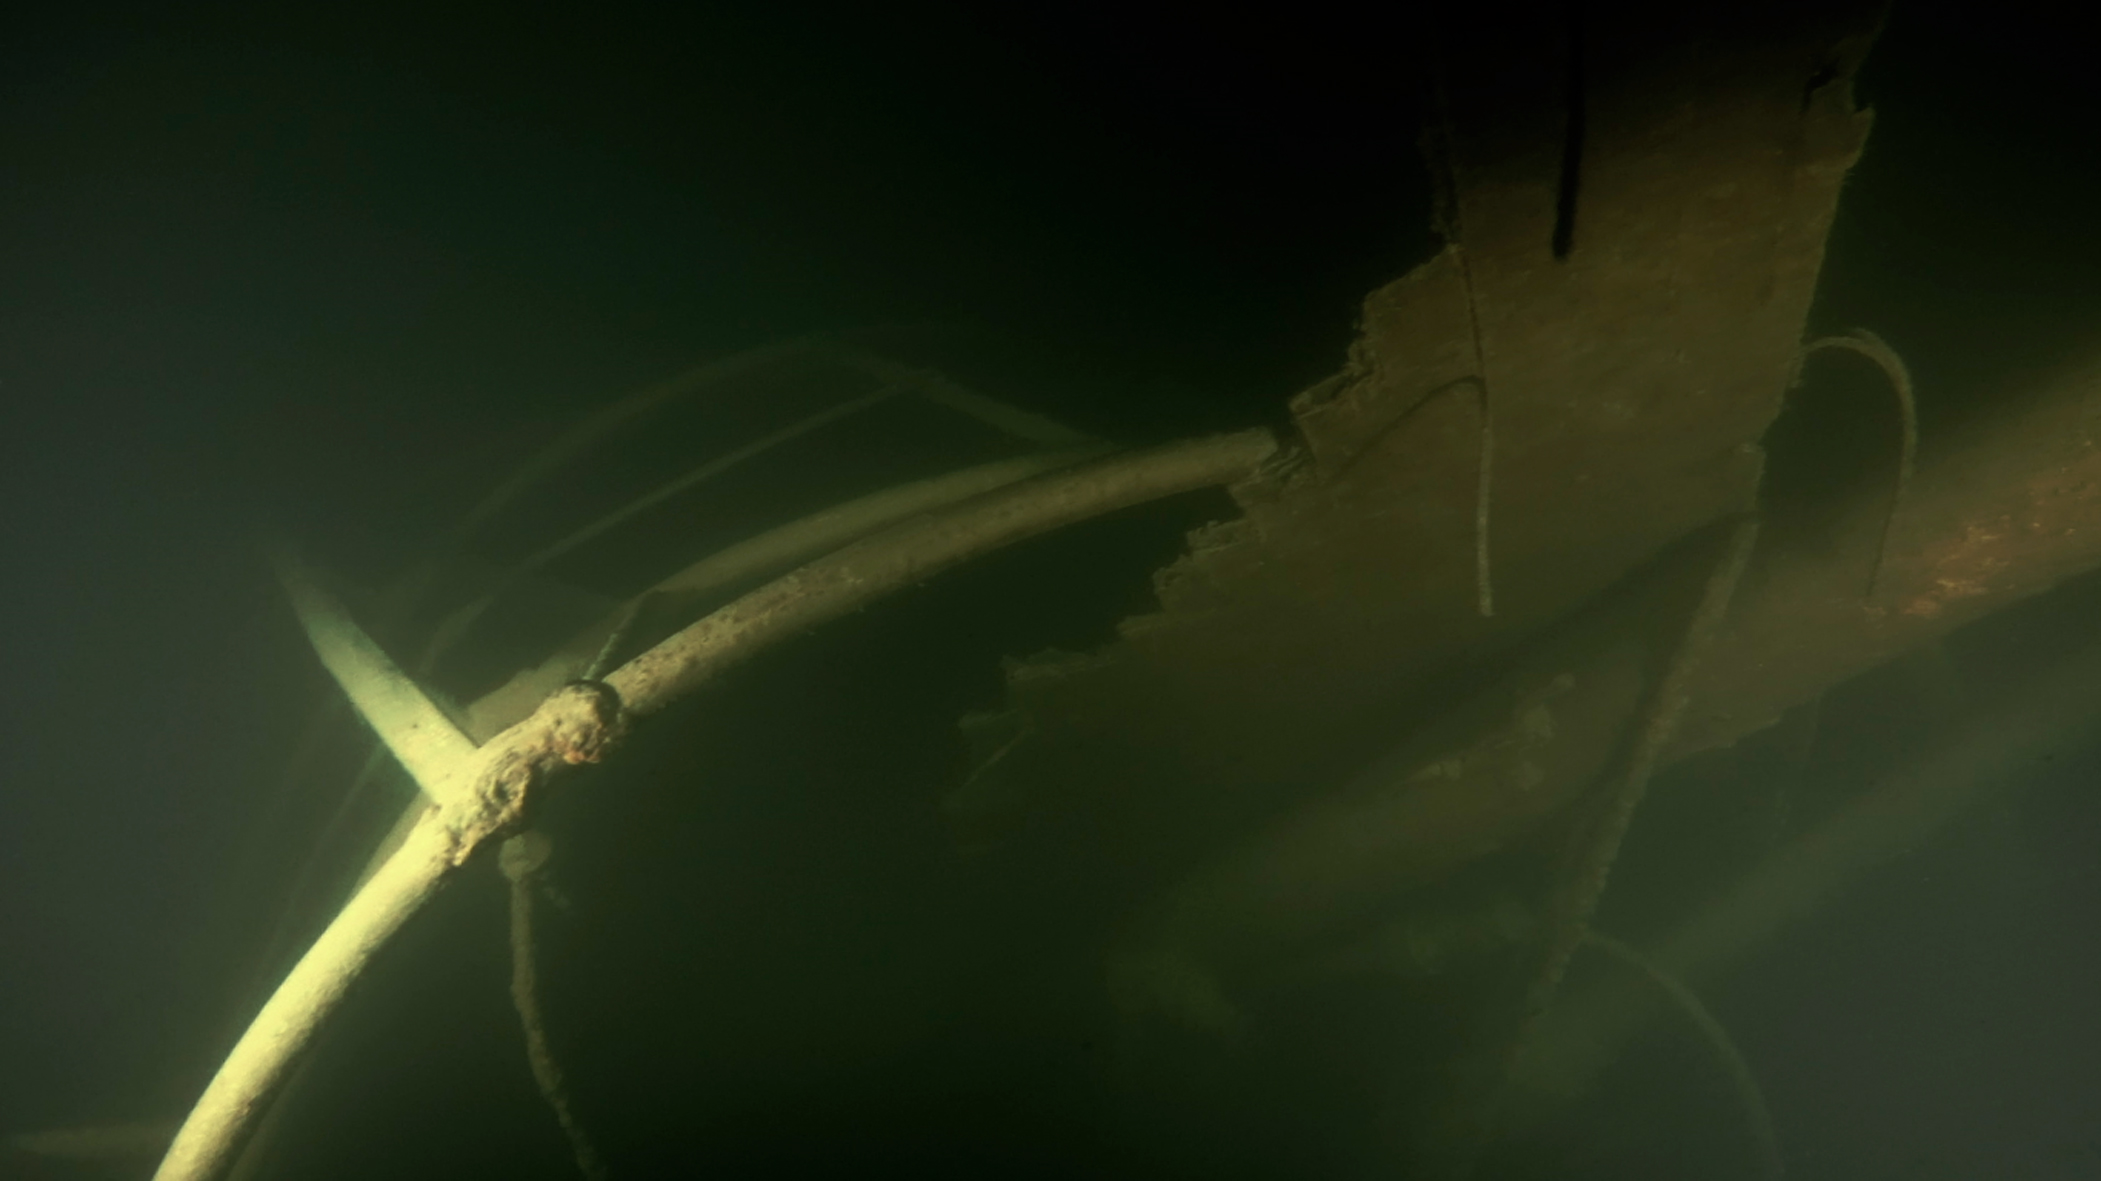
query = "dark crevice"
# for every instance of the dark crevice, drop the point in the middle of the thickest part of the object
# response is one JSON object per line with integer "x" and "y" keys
{"x": 1826, "y": 72}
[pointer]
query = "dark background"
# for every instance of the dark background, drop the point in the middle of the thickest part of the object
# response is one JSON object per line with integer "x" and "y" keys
{"x": 326, "y": 270}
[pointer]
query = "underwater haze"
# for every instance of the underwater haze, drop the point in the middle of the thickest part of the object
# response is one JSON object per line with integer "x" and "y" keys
{"x": 326, "y": 277}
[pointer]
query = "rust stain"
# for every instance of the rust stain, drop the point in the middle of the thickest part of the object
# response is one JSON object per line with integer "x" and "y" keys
{"x": 1962, "y": 568}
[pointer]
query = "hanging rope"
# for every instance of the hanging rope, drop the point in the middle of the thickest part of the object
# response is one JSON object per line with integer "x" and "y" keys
{"x": 521, "y": 859}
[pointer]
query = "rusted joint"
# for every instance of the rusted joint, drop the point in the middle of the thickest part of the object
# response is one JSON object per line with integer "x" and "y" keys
{"x": 578, "y": 723}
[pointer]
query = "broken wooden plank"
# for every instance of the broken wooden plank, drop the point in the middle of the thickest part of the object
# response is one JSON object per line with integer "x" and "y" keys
{"x": 1635, "y": 324}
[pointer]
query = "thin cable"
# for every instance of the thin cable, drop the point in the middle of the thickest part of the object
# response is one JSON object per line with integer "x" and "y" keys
{"x": 1875, "y": 349}
{"x": 521, "y": 859}
{"x": 1484, "y": 462}
{"x": 1772, "y": 1163}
